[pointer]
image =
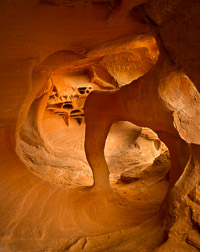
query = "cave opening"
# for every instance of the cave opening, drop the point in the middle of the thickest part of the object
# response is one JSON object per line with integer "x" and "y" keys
{"x": 132, "y": 152}
{"x": 53, "y": 135}
{"x": 92, "y": 92}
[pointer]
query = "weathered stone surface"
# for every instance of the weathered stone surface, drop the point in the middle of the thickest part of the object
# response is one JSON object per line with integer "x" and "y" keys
{"x": 194, "y": 238}
{"x": 179, "y": 28}
{"x": 52, "y": 51}
{"x": 144, "y": 173}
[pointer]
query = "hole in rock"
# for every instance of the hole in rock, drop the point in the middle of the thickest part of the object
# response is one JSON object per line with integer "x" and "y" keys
{"x": 81, "y": 90}
{"x": 52, "y": 137}
{"x": 138, "y": 169}
{"x": 136, "y": 154}
{"x": 97, "y": 48}
{"x": 129, "y": 151}
{"x": 52, "y": 147}
{"x": 68, "y": 106}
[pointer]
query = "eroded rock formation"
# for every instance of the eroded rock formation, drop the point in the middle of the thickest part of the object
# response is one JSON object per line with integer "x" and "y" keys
{"x": 115, "y": 70}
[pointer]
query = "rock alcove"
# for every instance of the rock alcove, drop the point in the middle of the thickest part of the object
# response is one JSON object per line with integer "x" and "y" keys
{"x": 91, "y": 88}
{"x": 56, "y": 119}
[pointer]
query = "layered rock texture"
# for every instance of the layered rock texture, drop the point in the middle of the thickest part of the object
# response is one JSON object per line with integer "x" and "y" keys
{"x": 100, "y": 125}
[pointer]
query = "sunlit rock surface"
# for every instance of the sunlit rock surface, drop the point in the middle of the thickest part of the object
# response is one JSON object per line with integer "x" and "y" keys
{"x": 99, "y": 125}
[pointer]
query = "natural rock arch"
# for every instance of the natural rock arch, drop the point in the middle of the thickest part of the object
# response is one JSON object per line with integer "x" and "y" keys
{"x": 145, "y": 109}
{"x": 164, "y": 107}
{"x": 38, "y": 215}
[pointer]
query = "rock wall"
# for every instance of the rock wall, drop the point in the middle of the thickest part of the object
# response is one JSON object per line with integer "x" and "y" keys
{"x": 48, "y": 199}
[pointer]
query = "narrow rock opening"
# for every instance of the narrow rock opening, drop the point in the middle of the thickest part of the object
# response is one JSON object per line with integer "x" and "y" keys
{"x": 135, "y": 154}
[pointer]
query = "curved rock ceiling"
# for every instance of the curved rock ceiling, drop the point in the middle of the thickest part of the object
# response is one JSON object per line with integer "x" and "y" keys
{"x": 100, "y": 125}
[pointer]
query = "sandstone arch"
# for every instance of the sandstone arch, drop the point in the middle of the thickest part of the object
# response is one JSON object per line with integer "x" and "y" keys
{"x": 144, "y": 109}
{"x": 41, "y": 215}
